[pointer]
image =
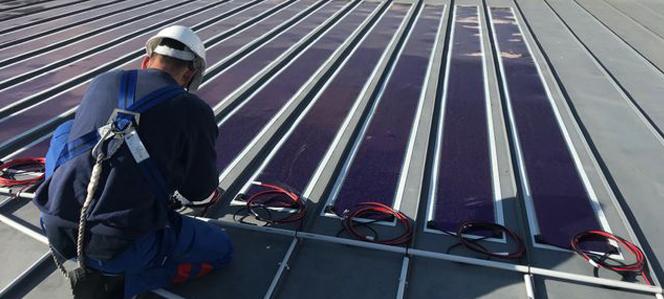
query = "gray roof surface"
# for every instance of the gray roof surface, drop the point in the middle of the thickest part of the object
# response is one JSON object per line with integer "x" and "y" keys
{"x": 602, "y": 61}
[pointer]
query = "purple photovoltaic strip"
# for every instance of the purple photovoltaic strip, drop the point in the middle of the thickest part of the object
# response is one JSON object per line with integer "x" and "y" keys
{"x": 54, "y": 16}
{"x": 299, "y": 156}
{"x": 560, "y": 199}
{"x": 256, "y": 61}
{"x": 72, "y": 31}
{"x": 232, "y": 78}
{"x": 34, "y": 9}
{"x": 38, "y": 61}
{"x": 44, "y": 111}
{"x": 377, "y": 162}
{"x": 238, "y": 129}
{"x": 14, "y": 8}
{"x": 463, "y": 185}
{"x": 38, "y": 149}
{"x": 14, "y": 4}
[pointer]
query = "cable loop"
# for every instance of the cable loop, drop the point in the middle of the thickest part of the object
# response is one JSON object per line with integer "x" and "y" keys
{"x": 375, "y": 211}
{"x": 11, "y": 182}
{"x": 262, "y": 204}
{"x": 496, "y": 230}
{"x": 638, "y": 267}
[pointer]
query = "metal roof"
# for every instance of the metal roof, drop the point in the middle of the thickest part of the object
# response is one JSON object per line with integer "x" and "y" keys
{"x": 543, "y": 116}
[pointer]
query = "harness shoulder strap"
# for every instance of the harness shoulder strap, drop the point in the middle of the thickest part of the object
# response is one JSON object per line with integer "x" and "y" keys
{"x": 126, "y": 103}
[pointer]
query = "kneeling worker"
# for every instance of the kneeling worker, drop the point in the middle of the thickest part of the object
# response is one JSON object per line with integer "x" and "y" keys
{"x": 137, "y": 137}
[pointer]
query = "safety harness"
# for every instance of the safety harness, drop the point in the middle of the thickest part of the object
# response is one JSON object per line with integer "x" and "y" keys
{"x": 103, "y": 143}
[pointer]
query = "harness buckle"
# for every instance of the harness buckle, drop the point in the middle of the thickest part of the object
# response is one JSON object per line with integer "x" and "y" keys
{"x": 123, "y": 119}
{"x": 120, "y": 124}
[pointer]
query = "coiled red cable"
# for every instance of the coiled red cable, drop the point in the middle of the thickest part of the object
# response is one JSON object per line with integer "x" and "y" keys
{"x": 638, "y": 267}
{"x": 276, "y": 197}
{"x": 377, "y": 211}
{"x": 8, "y": 182}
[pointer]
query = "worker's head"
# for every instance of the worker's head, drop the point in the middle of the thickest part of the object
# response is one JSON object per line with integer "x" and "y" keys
{"x": 178, "y": 51}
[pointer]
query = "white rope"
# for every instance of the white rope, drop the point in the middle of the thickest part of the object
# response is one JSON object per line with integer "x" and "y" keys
{"x": 92, "y": 188}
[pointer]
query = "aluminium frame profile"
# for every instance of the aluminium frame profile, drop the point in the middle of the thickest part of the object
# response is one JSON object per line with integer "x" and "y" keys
{"x": 42, "y": 239}
{"x": 566, "y": 132}
{"x": 229, "y": 174}
{"x": 548, "y": 75}
{"x": 368, "y": 89}
{"x": 215, "y": 40}
{"x": 412, "y": 252}
{"x": 528, "y": 270}
{"x": 362, "y": 126}
{"x": 44, "y": 51}
{"x": 36, "y": 99}
{"x": 20, "y": 25}
{"x": 238, "y": 55}
{"x": 73, "y": 39}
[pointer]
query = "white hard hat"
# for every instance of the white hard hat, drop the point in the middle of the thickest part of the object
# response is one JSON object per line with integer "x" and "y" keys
{"x": 195, "y": 52}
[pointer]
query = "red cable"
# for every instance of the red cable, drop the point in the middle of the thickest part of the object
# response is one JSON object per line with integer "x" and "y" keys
{"x": 362, "y": 210}
{"x": 216, "y": 196}
{"x": 6, "y": 182}
{"x": 292, "y": 201}
{"x": 639, "y": 266}
{"x": 493, "y": 227}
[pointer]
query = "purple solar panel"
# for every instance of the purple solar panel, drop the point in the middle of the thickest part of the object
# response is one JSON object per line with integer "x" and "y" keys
{"x": 34, "y": 9}
{"x": 44, "y": 111}
{"x": 559, "y": 196}
{"x": 38, "y": 149}
{"x": 97, "y": 24}
{"x": 299, "y": 156}
{"x": 377, "y": 162}
{"x": 232, "y": 78}
{"x": 16, "y": 3}
{"x": 37, "y": 61}
{"x": 21, "y": 73}
{"x": 238, "y": 129}
{"x": 463, "y": 189}
{"x": 253, "y": 62}
{"x": 18, "y": 7}
{"x": 56, "y": 16}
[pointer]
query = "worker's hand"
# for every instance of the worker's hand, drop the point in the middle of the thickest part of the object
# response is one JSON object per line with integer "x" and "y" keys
{"x": 214, "y": 197}
{"x": 178, "y": 198}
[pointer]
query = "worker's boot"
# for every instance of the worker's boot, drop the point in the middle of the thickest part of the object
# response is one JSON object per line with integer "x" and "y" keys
{"x": 88, "y": 283}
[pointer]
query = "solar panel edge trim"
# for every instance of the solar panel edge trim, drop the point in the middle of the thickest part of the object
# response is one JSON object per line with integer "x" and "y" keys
{"x": 45, "y": 95}
{"x": 604, "y": 177}
{"x": 253, "y": 43}
{"x": 334, "y": 155}
{"x": 491, "y": 149}
{"x": 44, "y": 50}
{"x": 367, "y": 88}
{"x": 22, "y": 26}
{"x": 20, "y": 140}
{"x": 581, "y": 171}
{"x": 367, "y": 121}
{"x": 262, "y": 77}
{"x": 362, "y": 116}
{"x": 230, "y": 173}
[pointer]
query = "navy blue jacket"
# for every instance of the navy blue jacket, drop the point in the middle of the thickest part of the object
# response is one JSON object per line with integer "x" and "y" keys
{"x": 179, "y": 134}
